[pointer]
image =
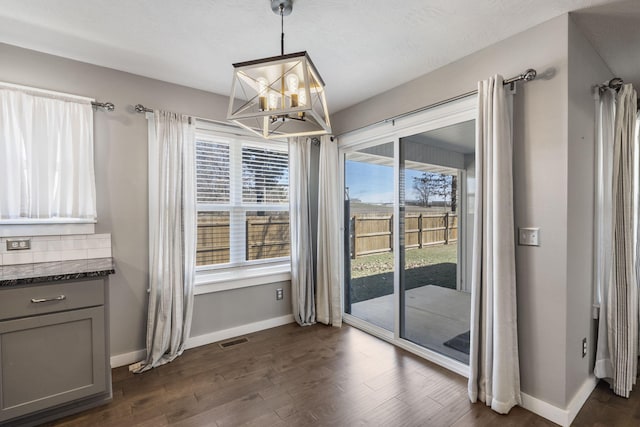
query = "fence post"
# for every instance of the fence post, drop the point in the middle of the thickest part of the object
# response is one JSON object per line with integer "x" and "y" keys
{"x": 420, "y": 231}
{"x": 446, "y": 228}
{"x": 391, "y": 232}
{"x": 353, "y": 234}
{"x": 247, "y": 237}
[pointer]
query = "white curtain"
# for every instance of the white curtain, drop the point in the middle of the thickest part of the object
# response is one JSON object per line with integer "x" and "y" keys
{"x": 172, "y": 236}
{"x": 605, "y": 134}
{"x": 494, "y": 376}
{"x": 302, "y": 285}
{"x": 328, "y": 295}
{"x": 46, "y": 155}
{"x": 617, "y": 352}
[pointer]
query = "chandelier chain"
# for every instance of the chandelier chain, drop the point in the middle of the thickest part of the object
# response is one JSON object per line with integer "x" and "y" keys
{"x": 281, "y": 29}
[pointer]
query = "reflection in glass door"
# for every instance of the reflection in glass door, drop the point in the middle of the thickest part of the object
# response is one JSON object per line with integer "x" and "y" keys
{"x": 435, "y": 168}
{"x": 369, "y": 258}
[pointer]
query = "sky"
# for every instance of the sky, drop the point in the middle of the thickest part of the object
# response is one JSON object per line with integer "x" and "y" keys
{"x": 371, "y": 183}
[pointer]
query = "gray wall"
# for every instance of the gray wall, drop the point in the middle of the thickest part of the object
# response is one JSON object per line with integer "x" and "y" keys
{"x": 121, "y": 184}
{"x": 229, "y": 309}
{"x": 586, "y": 68}
{"x": 546, "y": 170}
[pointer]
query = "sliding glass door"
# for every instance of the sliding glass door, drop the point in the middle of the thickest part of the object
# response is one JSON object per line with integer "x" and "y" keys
{"x": 369, "y": 204}
{"x": 408, "y": 222}
{"x": 435, "y": 167}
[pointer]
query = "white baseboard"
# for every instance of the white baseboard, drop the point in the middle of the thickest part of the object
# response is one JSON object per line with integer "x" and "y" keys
{"x": 563, "y": 417}
{"x": 238, "y": 330}
{"x": 135, "y": 356}
{"x": 581, "y": 397}
{"x": 128, "y": 358}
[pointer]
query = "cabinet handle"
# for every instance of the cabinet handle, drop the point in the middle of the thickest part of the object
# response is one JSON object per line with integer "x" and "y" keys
{"x": 58, "y": 298}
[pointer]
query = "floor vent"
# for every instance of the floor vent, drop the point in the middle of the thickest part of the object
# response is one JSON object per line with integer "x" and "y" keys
{"x": 233, "y": 342}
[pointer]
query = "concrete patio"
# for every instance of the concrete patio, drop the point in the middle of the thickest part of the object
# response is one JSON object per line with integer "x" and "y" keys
{"x": 433, "y": 315}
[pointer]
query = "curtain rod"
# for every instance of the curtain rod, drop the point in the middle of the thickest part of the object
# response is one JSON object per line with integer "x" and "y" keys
{"x": 107, "y": 106}
{"x": 527, "y": 76}
{"x": 139, "y": 108}
{"x": 142, "y": 109}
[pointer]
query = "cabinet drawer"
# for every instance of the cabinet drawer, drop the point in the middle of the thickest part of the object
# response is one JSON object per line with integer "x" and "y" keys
{"x": 49, "y": 298}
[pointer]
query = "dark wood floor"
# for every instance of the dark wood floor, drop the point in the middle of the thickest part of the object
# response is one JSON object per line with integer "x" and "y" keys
{"x": 320, "y": 376}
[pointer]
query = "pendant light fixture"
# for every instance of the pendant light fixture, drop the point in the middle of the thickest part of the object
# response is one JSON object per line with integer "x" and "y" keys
{"x": 280, "y": 96}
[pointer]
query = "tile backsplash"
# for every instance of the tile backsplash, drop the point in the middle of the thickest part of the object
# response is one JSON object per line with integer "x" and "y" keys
{"x": 57, "y": 248}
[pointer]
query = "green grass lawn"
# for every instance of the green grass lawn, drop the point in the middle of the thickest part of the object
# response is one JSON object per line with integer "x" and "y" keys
{"x": 372, "y": 275}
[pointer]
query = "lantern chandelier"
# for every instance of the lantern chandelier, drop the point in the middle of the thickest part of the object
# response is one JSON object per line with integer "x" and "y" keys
{"x": 280, "y": 96}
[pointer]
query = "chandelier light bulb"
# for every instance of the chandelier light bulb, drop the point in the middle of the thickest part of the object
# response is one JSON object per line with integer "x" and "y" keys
{"x": 262, "y": 92}
{"x": 293, "y": 83}
{"x": 262, "y": 85}
{"x": 273, "y": 100}
{"x": 302, "y": 97}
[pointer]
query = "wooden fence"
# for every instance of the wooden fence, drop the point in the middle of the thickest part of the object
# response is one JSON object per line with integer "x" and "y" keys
{"x": 213, "y": 239}
{"x": 266, "y": 237}
{"x": 371, "y": 234}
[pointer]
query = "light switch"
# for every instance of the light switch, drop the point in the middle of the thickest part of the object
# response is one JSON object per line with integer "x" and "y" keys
{"x": 529, "y": 236}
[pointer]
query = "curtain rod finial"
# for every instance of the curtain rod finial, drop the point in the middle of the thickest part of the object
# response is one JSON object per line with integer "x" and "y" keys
{"x": 107, "y": 106}
{"x": 529, "y": 75}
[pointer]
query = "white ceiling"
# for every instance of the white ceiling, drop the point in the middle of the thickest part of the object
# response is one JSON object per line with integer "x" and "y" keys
{"x": 361, "y": 47}
{"x": 614, "y": 31}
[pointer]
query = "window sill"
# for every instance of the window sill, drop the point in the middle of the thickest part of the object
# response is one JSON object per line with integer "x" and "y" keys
{"x": 224, "y": 280}
{"x": 32, "y": 221}
{"x": 45, "y": 227}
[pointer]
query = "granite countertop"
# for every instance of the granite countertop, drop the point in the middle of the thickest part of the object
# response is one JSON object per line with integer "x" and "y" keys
{"x": 23, "y": 274}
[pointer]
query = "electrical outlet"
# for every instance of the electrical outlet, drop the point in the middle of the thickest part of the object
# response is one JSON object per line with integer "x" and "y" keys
{"x": 529, "y": 236}
{"x": 584, "y": 347}
{"x": 279, "y": 294}
{"x": 18, "y": 244}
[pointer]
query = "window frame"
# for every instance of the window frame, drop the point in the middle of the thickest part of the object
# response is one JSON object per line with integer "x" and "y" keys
{"x": 238, "y": 274}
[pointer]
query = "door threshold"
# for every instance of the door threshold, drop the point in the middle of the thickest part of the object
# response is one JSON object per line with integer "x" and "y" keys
{"x": 388, "y": 336}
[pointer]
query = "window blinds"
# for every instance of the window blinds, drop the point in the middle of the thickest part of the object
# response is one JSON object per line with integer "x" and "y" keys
{"x": 265, "y": 176}
{"x": 243, "y": 201}
{"x": 212, "y": 172}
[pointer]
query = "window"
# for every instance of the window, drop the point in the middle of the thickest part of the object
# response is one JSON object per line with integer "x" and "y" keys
{"x": 243, "y": 201}
{"x": 46, "y": 157}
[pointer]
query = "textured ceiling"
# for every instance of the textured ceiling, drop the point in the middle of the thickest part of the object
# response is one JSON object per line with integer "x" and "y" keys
{"x": 361, "y": 47}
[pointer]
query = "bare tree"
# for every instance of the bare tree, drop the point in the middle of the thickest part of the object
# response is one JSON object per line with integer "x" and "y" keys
{"x": 432, "y": 185}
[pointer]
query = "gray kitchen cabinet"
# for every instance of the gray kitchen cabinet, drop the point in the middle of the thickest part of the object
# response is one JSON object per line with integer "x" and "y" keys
{"x": 53, "y": 350}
